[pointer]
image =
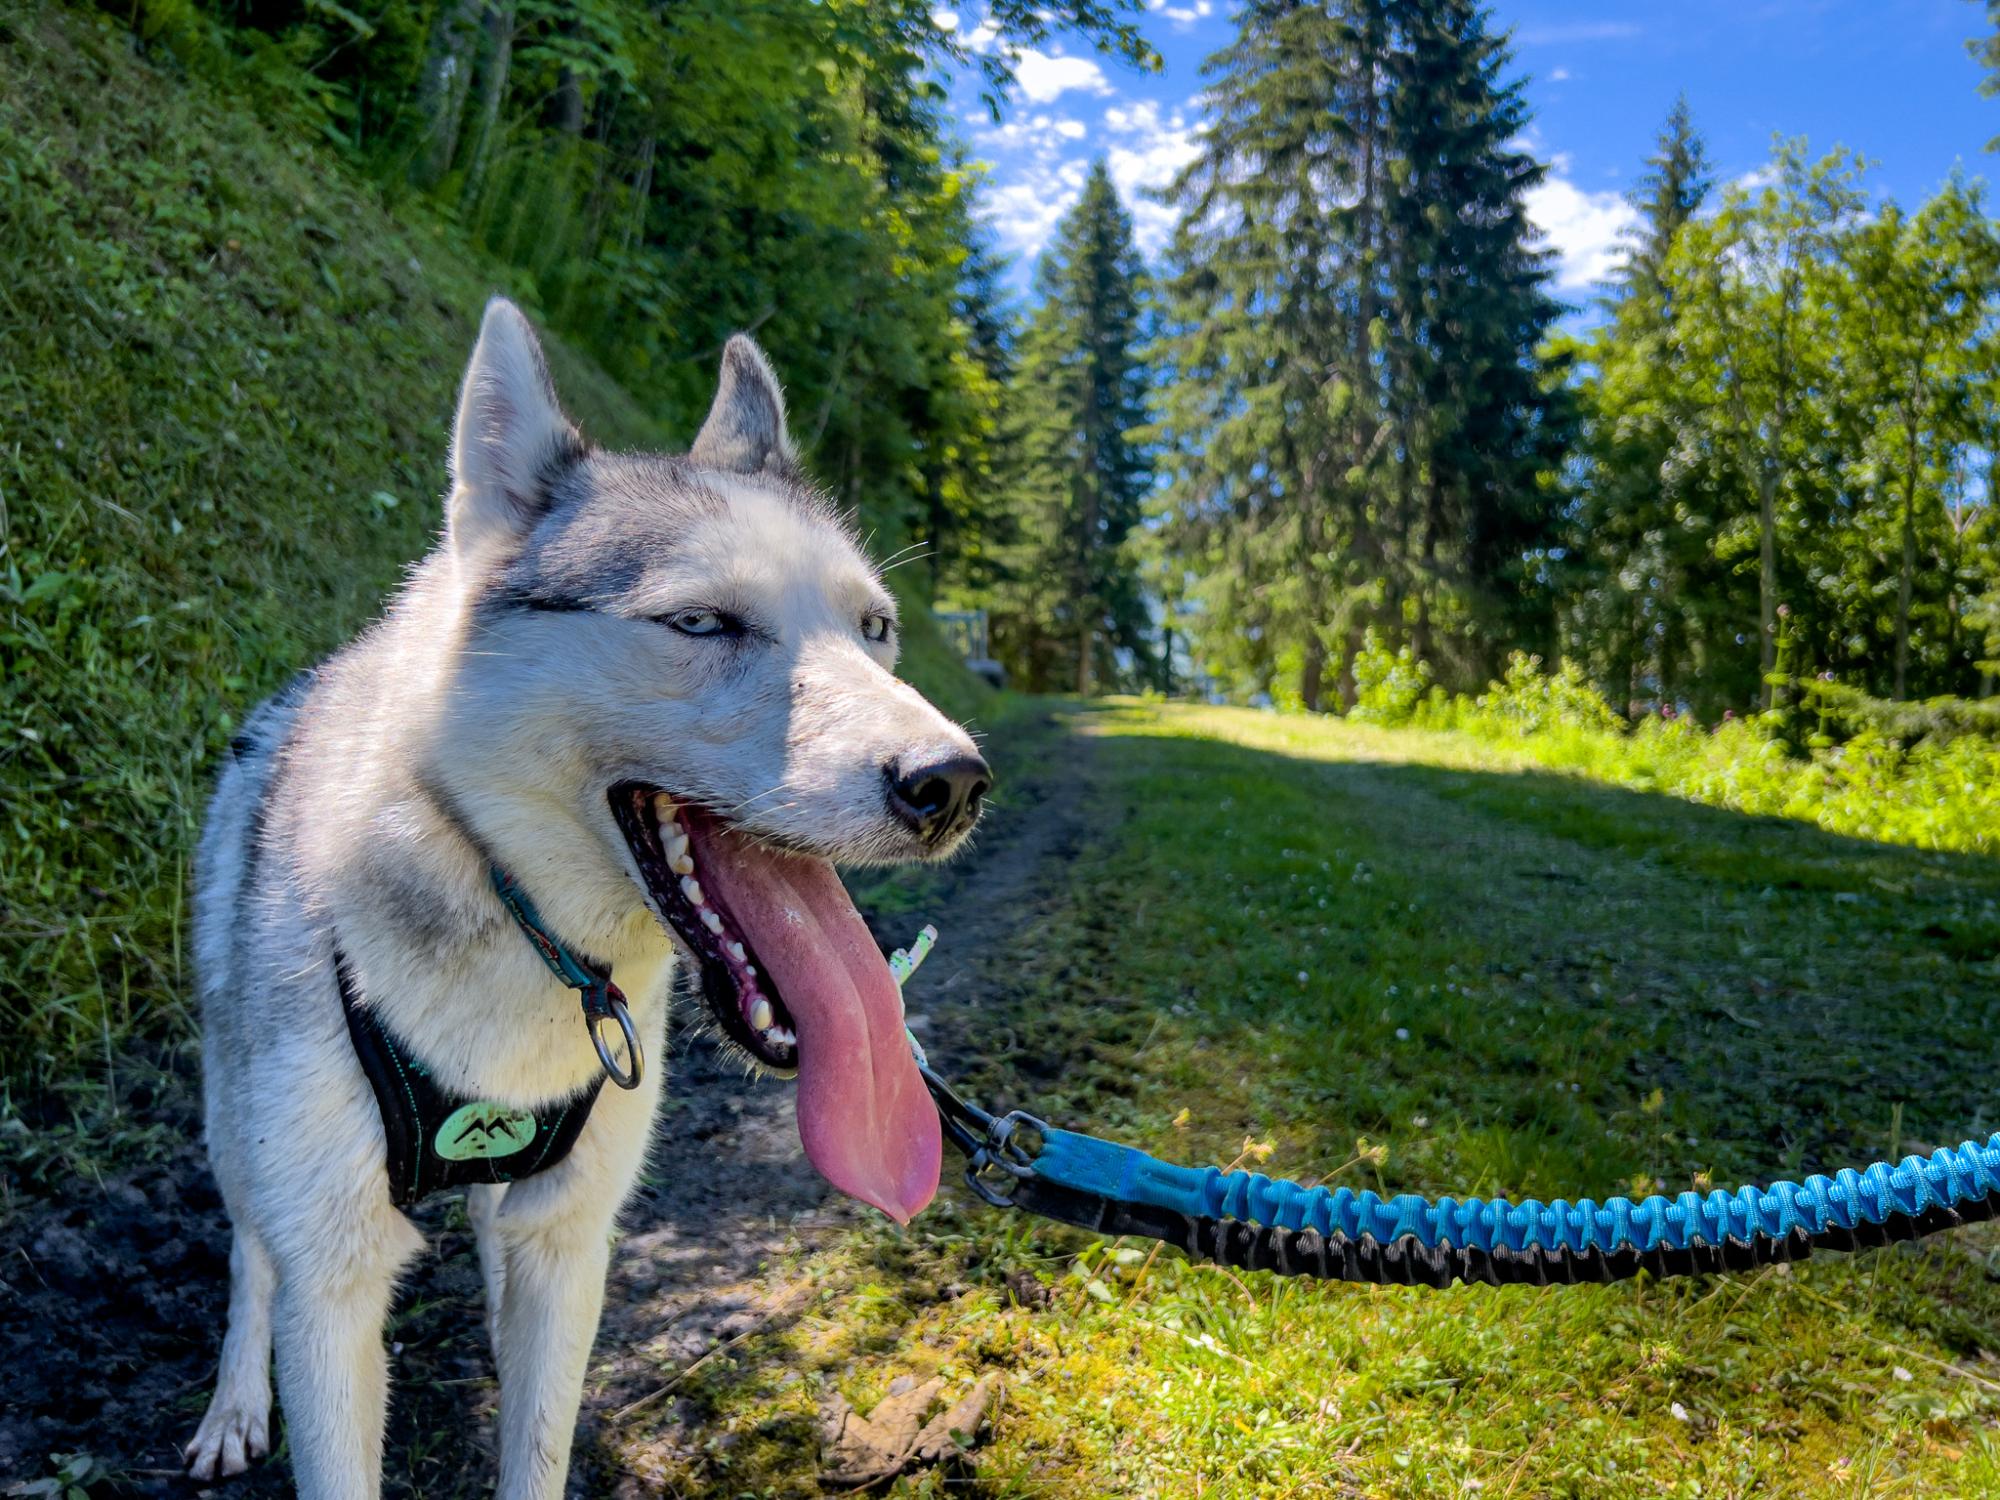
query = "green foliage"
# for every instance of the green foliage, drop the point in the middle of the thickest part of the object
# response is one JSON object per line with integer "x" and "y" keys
{"x": 1356, "y": 429}
{"x": 1390, "y": 685}
{"x": 1926, "y": 777}
{"x": 226, "y": 376}
{"x": 1783, "y": 419}
{"x": 1073, "y": 607}
{"x": 1528, "y": 701}
{"x": 1842, "y": 712}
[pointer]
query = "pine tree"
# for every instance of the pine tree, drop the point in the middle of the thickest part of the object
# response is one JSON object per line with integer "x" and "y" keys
{"x": 1083, "y": 382}
{"x": 1274, "y": 412}
{"x": 1470, "y": 308}
{"x": 1642, "y": 555}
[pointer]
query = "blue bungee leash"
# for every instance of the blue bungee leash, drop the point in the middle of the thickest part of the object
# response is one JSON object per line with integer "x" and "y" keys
{"x": 1248, "y": 1220}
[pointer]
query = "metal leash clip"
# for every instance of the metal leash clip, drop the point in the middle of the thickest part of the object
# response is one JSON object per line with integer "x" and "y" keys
{"x": 1005, "y": 1158}
{"x": 999, "y": 1153}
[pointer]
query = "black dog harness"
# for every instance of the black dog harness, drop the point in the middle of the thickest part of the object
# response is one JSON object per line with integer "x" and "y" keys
{"x": 440, "y": 1139}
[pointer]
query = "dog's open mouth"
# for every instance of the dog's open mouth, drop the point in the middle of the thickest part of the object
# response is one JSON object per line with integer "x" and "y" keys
{"x": 795, "y": 979}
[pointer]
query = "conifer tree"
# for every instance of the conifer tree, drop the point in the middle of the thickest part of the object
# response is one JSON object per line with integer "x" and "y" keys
{"x": 1470, "y": 310}
{"x": 1274, "y": 409}
{"x": 1077, "y": 617}
{"x": 1642, "y": 553}
{"x": 1358, "y": 428}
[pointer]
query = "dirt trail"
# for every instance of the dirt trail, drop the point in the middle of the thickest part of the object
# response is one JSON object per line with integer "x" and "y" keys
{"x": 111, "y": 1298}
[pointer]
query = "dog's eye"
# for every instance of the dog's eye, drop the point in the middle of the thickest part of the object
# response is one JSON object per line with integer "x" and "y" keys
{"x": 876, "y": 627}
{"x": 705, "y": 622}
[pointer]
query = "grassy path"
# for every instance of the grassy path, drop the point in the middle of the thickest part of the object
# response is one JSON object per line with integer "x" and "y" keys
{"x": 1397, "y": 959}
{"x": 1380, "y": 958}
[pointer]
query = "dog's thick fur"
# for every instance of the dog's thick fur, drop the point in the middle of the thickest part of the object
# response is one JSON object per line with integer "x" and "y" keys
{"x": 522, "y": 671}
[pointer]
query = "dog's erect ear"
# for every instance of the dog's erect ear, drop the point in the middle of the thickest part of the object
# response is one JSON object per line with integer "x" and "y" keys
{"x": 745, "y": 431}
{"x": 511, "y": 439}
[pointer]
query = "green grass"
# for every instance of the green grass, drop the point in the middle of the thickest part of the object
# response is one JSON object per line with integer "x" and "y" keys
{"x": 226, "y": 379}
{"x": 1399, "y": 960}
{"x": 1938, "y": 790}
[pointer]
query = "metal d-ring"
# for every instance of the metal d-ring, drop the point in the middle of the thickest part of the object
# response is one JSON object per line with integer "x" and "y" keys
{"x": 616, "y": 1011}
{"x": 1006, "y": 1157}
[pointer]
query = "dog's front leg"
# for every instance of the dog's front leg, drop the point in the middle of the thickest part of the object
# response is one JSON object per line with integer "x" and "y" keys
{"x": 554, "y": 1240}
{"x": 332, "y": 1302}
{"x": 554, "y": 1280}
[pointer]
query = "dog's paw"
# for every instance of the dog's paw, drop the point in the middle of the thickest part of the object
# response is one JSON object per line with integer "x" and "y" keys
{"x": 230, "y": 1436}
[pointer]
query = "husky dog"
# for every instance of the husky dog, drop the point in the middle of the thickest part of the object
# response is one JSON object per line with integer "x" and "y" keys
{"x": 659, "y": 694}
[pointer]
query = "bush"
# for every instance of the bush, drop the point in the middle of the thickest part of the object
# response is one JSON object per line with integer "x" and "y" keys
{"x": 1940, "y": 790}
{"x": 1529, "y": 701}
{"x": 1390, "y": 686}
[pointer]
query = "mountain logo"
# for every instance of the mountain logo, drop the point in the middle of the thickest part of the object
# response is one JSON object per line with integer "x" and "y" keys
{"x": 484, "y": 1129}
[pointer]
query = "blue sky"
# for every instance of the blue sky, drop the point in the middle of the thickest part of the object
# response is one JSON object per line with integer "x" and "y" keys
{"x": 1889, "y": 78}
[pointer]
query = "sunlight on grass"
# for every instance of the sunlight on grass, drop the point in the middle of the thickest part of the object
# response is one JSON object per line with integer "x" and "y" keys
{"x": 1399, "y": 960}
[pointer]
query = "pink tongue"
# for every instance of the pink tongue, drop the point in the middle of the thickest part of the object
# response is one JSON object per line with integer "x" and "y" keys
{"x": 865, "y": 1118}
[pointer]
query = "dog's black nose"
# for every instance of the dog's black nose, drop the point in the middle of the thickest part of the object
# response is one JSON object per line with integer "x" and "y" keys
{"x": 939, "y": 797}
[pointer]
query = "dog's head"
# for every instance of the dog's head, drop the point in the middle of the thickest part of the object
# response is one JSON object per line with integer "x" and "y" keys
{"x": 677, "y": 682}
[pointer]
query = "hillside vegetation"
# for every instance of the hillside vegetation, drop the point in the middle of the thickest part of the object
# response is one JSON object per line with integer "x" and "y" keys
{"x": 226, "y": 380}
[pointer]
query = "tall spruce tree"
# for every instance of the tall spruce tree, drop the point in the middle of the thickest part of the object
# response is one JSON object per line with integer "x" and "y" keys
{"x": 1642, "y": 559}
{"x": 1274, "y": 411}
{"x": 1471, "y": 308}
{"x": 1076, "y": 616}
{"x": 1358, "y": 428}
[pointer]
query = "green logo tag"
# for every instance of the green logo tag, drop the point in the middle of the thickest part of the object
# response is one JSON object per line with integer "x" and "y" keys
{"x": 484, "y": 1129}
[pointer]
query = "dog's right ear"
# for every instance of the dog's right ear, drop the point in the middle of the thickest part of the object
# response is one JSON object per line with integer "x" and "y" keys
{"x": 745, "y": 431}
{"x": 511, "y": 439}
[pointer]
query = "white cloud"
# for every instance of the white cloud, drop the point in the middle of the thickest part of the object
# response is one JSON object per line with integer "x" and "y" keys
{"x": 1584, "y": 228}
{"x": 1152, "y": 153}
{"x": 1042, "y": 176}
{"x": 1044, "y": 77}
{"x": 945, "y": 20}
{"x": 1026, "y": 210}
{"x": 1559, "y": 75}
{"x": 1040, "y": 135}
{"x": 1185, "y": 14}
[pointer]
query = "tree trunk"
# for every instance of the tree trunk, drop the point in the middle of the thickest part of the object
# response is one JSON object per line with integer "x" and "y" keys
{"x": 1903, "y": 583}
{"x": 1767, "y": 583}
{"x": 1347, "y": 687}
{"x": 499, "y": 58}
{"x": 442, "y": 89}
{"x": 1312, "y": 678}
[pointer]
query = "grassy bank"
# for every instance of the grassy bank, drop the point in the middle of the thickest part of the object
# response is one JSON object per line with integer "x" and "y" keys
{"x": 1405, "y": 960}
{"x": 226, "y": 379}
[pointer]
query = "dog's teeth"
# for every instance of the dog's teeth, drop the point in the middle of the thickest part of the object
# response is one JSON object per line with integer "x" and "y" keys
{"x": 783, "y": 1036}
{"x": 736, "y": 951}
{"x": 751, "y": 970}
{"x": 665, "y": 807}
{"x": 761, "y": 1014}
{"x": 691, "y": 888}
{"x": 680, "y": 864}
{"x": 711, "y": 921}
{"x": 671, "y": 832}
{"x": 677, "y": 844}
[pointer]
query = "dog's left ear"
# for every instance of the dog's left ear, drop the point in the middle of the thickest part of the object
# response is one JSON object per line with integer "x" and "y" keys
{"x": 511, "y": 439}
{"x": 745, "y": 431}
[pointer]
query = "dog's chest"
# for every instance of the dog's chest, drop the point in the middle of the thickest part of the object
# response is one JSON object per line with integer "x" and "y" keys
{"x": 512, "y": 1032}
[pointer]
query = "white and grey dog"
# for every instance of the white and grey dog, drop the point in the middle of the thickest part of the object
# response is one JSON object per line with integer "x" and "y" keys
{"x": 659, "y": 694}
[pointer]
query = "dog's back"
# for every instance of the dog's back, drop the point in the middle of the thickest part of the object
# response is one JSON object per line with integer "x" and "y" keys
{"x": 231, "y": 844}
